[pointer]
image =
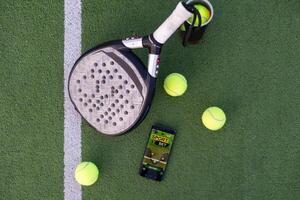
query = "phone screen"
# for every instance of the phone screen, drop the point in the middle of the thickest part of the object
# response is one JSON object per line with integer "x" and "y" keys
{"x": 157, "y": 153}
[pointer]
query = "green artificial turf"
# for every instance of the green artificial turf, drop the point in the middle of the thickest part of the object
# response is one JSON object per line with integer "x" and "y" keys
{"x": 31, "y": 100}
{"x": 248, "y": 63}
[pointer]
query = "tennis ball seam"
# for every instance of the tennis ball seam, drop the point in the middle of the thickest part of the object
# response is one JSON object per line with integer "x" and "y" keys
{"x": 211, "y": 114}
{"x": 171, "y": 90}
{"x": 86, "y": 164}
{"x": 183, "y": 79}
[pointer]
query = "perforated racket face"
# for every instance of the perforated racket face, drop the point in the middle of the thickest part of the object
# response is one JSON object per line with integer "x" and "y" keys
{"x": 107, "y": 90}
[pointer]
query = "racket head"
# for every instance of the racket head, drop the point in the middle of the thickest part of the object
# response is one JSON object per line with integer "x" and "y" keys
{"x": 111, "y": 88}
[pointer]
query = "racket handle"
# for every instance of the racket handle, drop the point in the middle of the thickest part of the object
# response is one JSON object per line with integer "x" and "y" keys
{"x": 172, "y": 23}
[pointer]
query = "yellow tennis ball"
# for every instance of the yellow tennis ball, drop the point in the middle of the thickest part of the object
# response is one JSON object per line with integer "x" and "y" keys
{"x": 182, "y": 28}
{"x": 86, "y": 173}
{"x": 175, "y": 84}
{"x": 204, "y": 12}
{"x": 213, "y": 118}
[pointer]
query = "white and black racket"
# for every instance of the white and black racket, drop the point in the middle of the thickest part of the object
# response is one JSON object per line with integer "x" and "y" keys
{"x": 110, "y": 86}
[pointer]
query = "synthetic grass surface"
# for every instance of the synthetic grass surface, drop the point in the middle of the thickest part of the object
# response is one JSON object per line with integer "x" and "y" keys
{"x": 248, "y": 63}
{"x": 31, "y": 100}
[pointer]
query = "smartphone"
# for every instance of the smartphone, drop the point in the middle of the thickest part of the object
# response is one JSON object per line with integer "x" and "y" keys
{"x": 157, "y": 152}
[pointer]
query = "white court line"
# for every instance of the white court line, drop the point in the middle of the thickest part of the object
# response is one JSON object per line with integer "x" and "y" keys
{"x": 72, "y": 122}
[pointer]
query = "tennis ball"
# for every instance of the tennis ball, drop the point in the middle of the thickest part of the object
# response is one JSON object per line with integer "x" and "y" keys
{"x": 175, "y": 84}
{"x": 205, "y": 15}
{"x": 86, "y": 173}
{"x": 182, "y": 28}
{"x": 213, "y": 118}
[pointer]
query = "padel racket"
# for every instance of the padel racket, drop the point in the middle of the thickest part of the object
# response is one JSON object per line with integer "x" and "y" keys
{"x": 110, "y": 86}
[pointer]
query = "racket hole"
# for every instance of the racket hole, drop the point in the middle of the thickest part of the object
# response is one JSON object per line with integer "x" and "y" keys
{"x": 92, "y": 70}
{"x": 95, "y": 64}
{"x": 92, "y": 76}
{"x": 122, "y": 106}
{"x": 120, "y": 87}
{"x": 132, "y": 86}
{"x": 94, "y": 105}
{"x": 109, "y": 109}
{"x": 97, "y": 82}
{"x": 111, "y": 77}
{"x": 109, "y": 118}
{"x": 78, "y": 81}
{"x": 121, "y": 96}
{"x": 84, "y": 77}
{"x": 112, "y": 62}
{"x": 101, "y": 97}
{"x": 117, "y": 101}
{"x": 126, "y": 101}
{"x": 98, "y": 90}
{"x": 98, "y": 120}
{"x": 90, "y": 100}
{"x": 115, "y": 70}
{"x": 121, "y": 118}
{"x": 107, "y": 71}
{"x": 80, "y": 99}
{"x": 127, "y": 91}
{"x": 118, "y": 110}
{"x": 106, "y": 96}
{"x": 103, "y": 81}
{"x": 120, "y": 77}
{"x": 102, "y": 116}
{"x": 113, "y": 105}
{"x": 97, "y": 86}
{"x": 126, "y": 113}
{"x": 116, "y": 91}
{"x": 114, "y": 123}
{"x": 103, "y": 64}
{"x": 125, "y": 82}
{"x": 103, "y": 77}
{"x": 99, "y": 71}
{"x": 97, "y": 108}
{"x": 113, "y": 113}
{"x": 132, "y": 107}
{"x": 112, "y": 87}
{"x": 101, "y": 104}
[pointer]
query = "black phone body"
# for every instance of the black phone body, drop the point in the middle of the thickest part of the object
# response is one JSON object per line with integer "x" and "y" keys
{"x": 157, "y": 152}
